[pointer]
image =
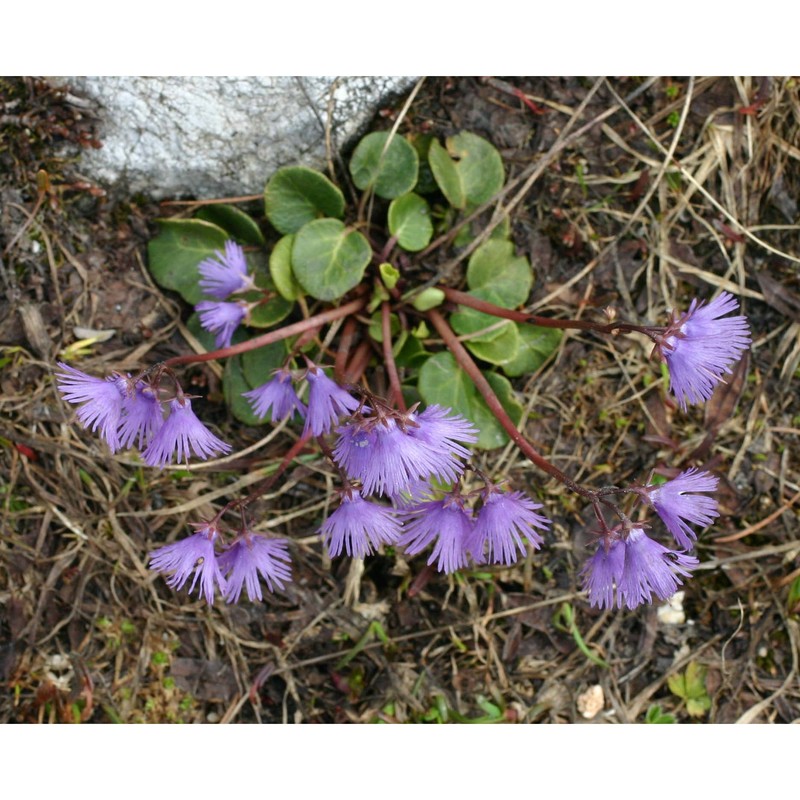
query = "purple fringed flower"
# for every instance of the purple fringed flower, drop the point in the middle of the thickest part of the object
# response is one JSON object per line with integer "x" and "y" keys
{"x": 193, "y": 554}
{"x": 389, "y": 454}
{"x": 676, "y": 506}
{"x": 225, "y": 275}
{"x": 501, "y": 523}
{"x": 327, "y": 401}
{"x": 102, "y": 399}
{"x": 250, "y": 555}
{"x": 380, "y": 455}
{"x": 637, "y": 567}
{"x": 440, "y": 432}
{"x": 277, "y": 394}
{"x": 699, "y": 347}
{"x": 445, "y": 522}
{"x": 221, "y": 318}
{"x": 142, "y": 417}
{"x": 359, "y": 526}
{"x": 184, "y": 431}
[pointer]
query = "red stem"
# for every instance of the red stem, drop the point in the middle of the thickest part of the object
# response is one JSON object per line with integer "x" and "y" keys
{"x": 465, "y": 299}
{"x": 358, "y": 363}
{"x": 482, "y": 385}
{"x": 345, "y": 345}
{"x": 388, "y": 356}
{"x": 268, "y": 483}
{"x": 271, "y": 337}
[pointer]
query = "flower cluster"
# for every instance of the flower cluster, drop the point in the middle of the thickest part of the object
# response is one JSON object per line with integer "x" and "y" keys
{"x": 677, "y": 506}
{"x": 391, "y": 462}
{"x": 628, "y": 568}
{"x": 220, "y": 279}
{"x": 403, "y": 471}
{"x": 634, "y": 566}
{"x": 400, "y": 457}
{"x": 236, "y": 566}
{"x": 699, "y": 347}
{"x": 327, "y": 401}
{"x": 493, "y": 534}
{"x": 129, "y": 412}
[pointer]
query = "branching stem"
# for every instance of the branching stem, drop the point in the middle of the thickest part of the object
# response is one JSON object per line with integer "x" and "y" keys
{"x": 273, "y": 336}
{"x": 465, "y": 299}
{"x": 482, "y": 385}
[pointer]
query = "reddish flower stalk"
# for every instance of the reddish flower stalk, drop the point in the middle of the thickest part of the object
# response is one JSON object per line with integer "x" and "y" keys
{"x": 465, "y": 299}
{"x": 482, "y": 385}
{"x": 388, "y": 356}
{"x": 273, "y": 336}
{"x": 345, "y": 345}
{"x": 358, "y": 363}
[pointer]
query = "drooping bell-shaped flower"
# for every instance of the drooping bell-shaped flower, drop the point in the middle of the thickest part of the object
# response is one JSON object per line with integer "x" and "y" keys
{"x": 701, "y": 345}
{"x": 226, "y": 274}
{"x": 194, "y": 554}
{"x": 181, "y": 434}
{"x": 677, "y": 503}
{"x": 630, "y": 567}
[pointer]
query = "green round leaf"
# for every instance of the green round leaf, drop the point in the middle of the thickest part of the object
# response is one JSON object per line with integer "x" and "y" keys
{"x": 470, "y": 170}
{"x": 477, "y": 325}
{"x": 426, "y": 183}
{"x": 390, "y": 169}
{"x": 297, "y": 195}
{"x": 410, "y": 221}
{"x": 495, "y": 274}
{"x": 233, "y": 387}
{"x": 503, "y": 230}
{"x": 412, "y": 354}
{"x": 479, "y": 166}
{"x": 445, "y": 171}
{"x": 235, "y": 222}
{"x": 280, "y": 267}
{"x": 536, "y": 345}
{"x": 501, "y": 350}
{"x": 376, "y": 326}
{"x": 329, "y": 259}
{"x": 498, "y": 345}
{"x": 269, "y": 313}
{"x": 180, "y": 246}
{"x": 258, "y": 364}
{"x": 442, "y": 381}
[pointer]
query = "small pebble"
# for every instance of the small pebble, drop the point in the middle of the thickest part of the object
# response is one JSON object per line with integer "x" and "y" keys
{"x": 672, "y": 613}
{"x": 591, "y": 702}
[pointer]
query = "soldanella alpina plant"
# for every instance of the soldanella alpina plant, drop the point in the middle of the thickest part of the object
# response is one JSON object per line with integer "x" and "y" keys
{"x": 348, "y": 307}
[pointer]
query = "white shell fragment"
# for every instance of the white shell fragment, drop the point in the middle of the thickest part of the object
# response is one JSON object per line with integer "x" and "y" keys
{"x": 591, "y": 702}
{"x": 672, "y": 613}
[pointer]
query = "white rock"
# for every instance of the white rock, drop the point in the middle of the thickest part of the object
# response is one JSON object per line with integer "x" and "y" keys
{"x": 219, "y": 136}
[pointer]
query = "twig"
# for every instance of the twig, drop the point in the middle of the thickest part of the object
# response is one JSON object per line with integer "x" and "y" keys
{"x": 759, "y": 525}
